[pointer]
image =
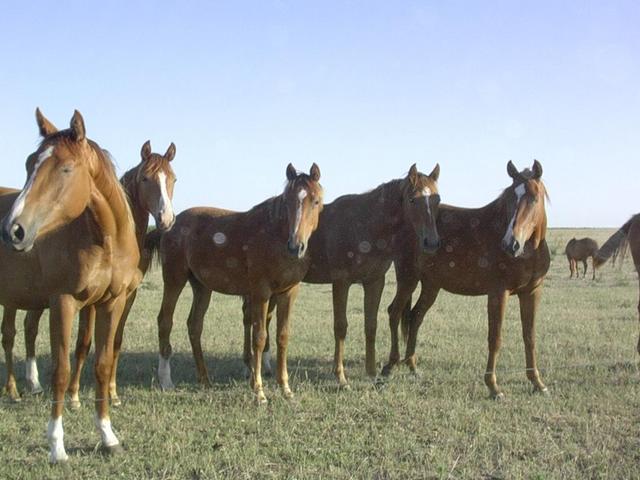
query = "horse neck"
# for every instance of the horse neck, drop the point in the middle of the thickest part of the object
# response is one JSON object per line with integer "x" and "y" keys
{"x": 139, "y": 212}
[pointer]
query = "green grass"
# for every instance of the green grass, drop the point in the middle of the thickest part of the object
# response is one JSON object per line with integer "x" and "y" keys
{"x": 440, "y": 425}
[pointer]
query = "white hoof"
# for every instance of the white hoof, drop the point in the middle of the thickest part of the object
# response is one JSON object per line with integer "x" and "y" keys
{"x": 164, "y": 373}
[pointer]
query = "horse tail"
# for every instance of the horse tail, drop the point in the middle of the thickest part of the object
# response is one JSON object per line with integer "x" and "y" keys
{"x": 613, "y": 243}
{"x": 405, "y": 321}
{"x": 151, "y": 248}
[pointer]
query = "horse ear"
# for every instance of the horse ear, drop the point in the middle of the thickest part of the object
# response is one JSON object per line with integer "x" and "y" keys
{"x": 315, "y": 172}
{"x": 145, "y": 152}
{"x": 292, "y": 174}
{"x": 413, "y": 174}
{"x": 513, "y": 171}
{"x": 77, "y": 126}
{"x": 536, "y": 169}
{"x": 45, "y": 127}
{"x": 171, "y": 152}
{"x": 435, "y": 173}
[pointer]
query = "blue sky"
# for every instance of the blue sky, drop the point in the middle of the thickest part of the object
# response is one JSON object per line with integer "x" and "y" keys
{"x": 364, "y": 89}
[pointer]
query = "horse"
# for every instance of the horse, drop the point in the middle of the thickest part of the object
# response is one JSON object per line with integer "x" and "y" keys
{"x": 68, "y": 240}
{"x": 258, "y": 253}
{"x": 497, "y": 250}
{"x": 149, "y": 189}
{"x": 354, "y": 243}
{"x": 580, "y": 251}
{"x": 629, "y": 233}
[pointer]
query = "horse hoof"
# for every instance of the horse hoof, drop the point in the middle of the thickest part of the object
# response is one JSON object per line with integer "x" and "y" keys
{"x": 74, "y": 404}
{"x": 59, "y": 458}
{"x": 112, "y": 450}
{"x": 287, "y": 393}
{"x": 344, "y": 386}
{"x": 542, "y": 391}
{"x": 34, "y": 388}
{"x": 15, "y": 398}
{"x": 261, "y": 399}
{"x": 115, "y": 401}
{"x": 386, "y": 370}
{"x": 498, "y": 397}
{"x": 167, "y": 386}
{"x": 416, "y": 374}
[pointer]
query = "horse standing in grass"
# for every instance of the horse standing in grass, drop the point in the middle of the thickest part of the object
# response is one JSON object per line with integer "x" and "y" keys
{"x": 69, "y": 241}
{"x": 259, "y": 253}
{"x": 630, "y": 233}
{"x": 580, "y": 251}
{"x": 497, "y": 250}
{"x": 149, "y": 188}
{"x": 355, "y": 243}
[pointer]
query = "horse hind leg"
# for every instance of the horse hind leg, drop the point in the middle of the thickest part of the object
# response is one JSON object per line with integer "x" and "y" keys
{"x": 8, "y": 337}
{"x": 372, "y": 295}
{"x": 340, "y": 293}
{"x": 529, "y": 302}
{"x": 195, "y": 323}
{"x": 117, "y": 348}
{"x": 584, "y": 268}
{"x": 425, "y": 301}
{"x": 496, "y": 306}
{"x": 83, "y": 345}
{"x": 31, "y": 325}
{"x": 171, "y": 291}
{"x": 285, "y": 303}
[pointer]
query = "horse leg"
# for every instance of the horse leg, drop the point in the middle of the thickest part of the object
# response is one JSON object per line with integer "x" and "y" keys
{"x": 259, "y": 305}
{"x": 117, "y": 348}
{"x": 266, "y": 354}
{"x": 285, "y": 304}
{"x": 83, "y": 344}
{"x": 195, "y": 322}
{"x": 31, "y": 324}
{"x": 496, "y": 304}
{"x": 593, "y": 267}
{"x": 62, "y": 310}
{"x": 8, "y": 337}
{"x": 425, "y": 301}
{"x": 584, "y": 268}
{"x": 247, "y": 353}
{"x": 529, "y": 302}
{"x": 401, "y": 302}
{"x": 340, "y": 293}
{"x": 170, "y": 294}
{"x": 108, "y": 317}
{"x": 372, "y": 296}
{"x": 570, "y": 267}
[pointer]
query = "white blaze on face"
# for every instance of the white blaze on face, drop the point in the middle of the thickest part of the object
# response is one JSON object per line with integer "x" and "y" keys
{"x": 302, "y": 194}
{"x": 426, "y": 192}
{"x": 106, "y": 433}
{"x": 508, "y": 236}
{"x": 55, "y": 435}
{"x": 165, "y": 208}
{"x": 18, "y": 205}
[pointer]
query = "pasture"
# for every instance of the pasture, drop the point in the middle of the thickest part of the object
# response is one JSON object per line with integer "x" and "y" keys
{"x": 439, "y": 425}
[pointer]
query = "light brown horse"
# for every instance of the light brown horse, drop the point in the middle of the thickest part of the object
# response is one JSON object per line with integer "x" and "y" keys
{"x": 149, "y": 188}
{"x": 69, "y": 241}
{"x": 497, "y": 250}
{"x": 354, "y": 243}
{"x": 580, "y": 251}
{"x": 258, "y": 253}
{"x": 630, "y": 233}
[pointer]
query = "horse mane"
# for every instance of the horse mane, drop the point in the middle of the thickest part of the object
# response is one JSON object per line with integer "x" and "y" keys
{"x": 274, "y": 205}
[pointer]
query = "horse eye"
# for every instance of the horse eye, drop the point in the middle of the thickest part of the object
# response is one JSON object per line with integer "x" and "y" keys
{"x": 67, "y": 169}
{"x": 316, "y": 202}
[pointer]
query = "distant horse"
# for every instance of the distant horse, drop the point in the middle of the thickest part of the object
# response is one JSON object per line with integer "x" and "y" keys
{"x": 630, "y": 233}
{"x": 580, "y": 251}
{"x": 149, "y": 189}
{"x": 497, "y": 250}
{"x": 69, "y": 241}
{"x": 355, "y": 243}
{"x": 258, "y": 253}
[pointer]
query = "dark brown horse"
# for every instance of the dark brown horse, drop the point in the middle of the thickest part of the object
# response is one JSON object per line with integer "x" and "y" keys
{"x": 354, "y": 243}
{"x": 258, "y": 253}
{"x": 149, "y": 189}
{"x": 497, "y": 250}
{"x": 630, "y": 233}
{"x": 69, "y": 241}
{"x": 580, "y": 251}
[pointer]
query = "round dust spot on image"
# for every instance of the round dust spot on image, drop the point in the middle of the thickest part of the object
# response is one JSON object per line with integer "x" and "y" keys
{"x": 245, "y": 248}
{"x": 220, "y": 239}
{"x": 350, "y": 254}
{"x": 381, "y": 244}
{"x": 483, "y": 262}
{"x": 449, "y": 248}
{"x": 452, "y": 264}
{"x": 364, "y": 247}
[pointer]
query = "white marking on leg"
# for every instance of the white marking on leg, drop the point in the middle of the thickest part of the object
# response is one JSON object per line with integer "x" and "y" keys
{"x": 55, "y": 435}
{"x": 31, "y": 375}
{"x": 508, "y": 236}
{"x": 164, "y": 373}
{"x": 103, "y": 425}
{"x": 18, "y": 204}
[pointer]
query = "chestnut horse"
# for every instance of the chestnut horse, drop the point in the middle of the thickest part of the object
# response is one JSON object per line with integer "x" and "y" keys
{"x": 497, "y": 250}
{"x": 258, "y": 253}
{"x": 629, "y": 233}
{"x": 69, "y": 241}
{"x": 580, "y": 251}
{"x": 355, "y": 243}
{"x": 149, "y": 188}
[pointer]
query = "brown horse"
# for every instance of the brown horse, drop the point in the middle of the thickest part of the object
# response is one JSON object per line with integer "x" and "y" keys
{"x": 355, "y": 243}
{"x": 149, "y": 188}
{"x": 580, "y": 251}
{"x": 69, "y": 241}
{"x": 258, "y": 253}
{"x": 497, "y": 250}
{"x": 630, "y": 233}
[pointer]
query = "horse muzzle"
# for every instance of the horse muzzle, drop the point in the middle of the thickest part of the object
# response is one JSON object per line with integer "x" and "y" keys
{"x": 512, "y": 248}
{"x": 165, "y": 222}
{"x": 296, "y": 249}
{"x": 16, "y": 236}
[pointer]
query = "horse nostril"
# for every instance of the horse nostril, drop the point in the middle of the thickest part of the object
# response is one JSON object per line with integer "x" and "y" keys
{"x": 516, "y": 246}
{"x": 17, "y": 233}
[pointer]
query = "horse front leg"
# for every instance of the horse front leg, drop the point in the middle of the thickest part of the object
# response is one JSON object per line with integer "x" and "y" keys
{"x": 31, "y": 324}
{"x": 8, "y": 338}
{"x": 372, "y": 295}
{"x": 259, "y": 305}
{"x": 496, "y": 304}
{"x": 62, "y": 310}
{"x": 285, "y": 303}
{"x": 108, "y": 316}
{"x": 425, "y": 301}
{"x": 83, "y": 344}
{"x": 529, "y": 302}
{"x": 340, "y": 295}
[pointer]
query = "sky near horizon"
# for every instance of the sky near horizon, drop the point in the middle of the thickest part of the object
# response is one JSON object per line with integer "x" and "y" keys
{"x": 363, "y": 88}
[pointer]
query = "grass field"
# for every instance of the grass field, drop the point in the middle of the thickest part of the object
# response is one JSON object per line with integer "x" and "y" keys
{"x": 439, "y": 425}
